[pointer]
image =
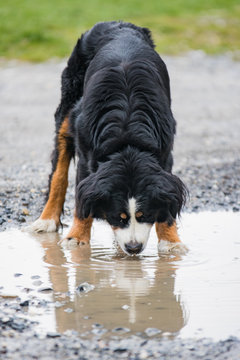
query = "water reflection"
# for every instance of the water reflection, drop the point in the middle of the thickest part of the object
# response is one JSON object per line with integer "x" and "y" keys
{"x": 135, "y": 293}
{"x": 197, "y": 295}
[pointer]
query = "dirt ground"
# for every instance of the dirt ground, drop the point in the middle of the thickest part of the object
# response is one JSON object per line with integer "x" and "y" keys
{"x": 205, "y": 102}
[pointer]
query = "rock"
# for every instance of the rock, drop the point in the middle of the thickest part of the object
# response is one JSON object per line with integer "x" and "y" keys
{"x": 85, "y": 288}
{"x": 152, "y": 331}
{"x": 24, "y": 303}
{"x": 45, "y": 289}
{"x": 120, "y": 350}
{"x": 5, "y": 319}
{"x": 143, "y": 354}
{"x": 17, "y": 274}
{"x": 58, "y": 304}
{"x": 25, "y": 211}
{"x": 96, "y": 325}
{"x": 98, "y": 331}
{"x": 121, "y": 330}
{"x": 53, "y": 334}
{"x": 68, "y": 310}
{"x": 27, "y": 290}
{"x": 37, "y": 282}
{"x": 35, "y": 277}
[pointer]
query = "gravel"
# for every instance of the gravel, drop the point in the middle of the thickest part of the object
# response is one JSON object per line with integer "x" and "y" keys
{"x": 205, "y": 94}
{"x": 71, "y": 346}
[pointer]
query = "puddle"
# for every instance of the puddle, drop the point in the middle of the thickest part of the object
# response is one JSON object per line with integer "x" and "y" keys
{"x": 196, "y": 295}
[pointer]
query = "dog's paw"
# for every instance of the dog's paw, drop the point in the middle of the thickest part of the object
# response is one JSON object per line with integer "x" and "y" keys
{"x": 42, "y": 226}
{"x": 167, "y": 247}
{"x": 71, "y": 242}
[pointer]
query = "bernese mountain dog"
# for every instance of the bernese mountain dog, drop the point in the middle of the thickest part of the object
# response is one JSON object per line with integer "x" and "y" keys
{"x": 115, "y": 116}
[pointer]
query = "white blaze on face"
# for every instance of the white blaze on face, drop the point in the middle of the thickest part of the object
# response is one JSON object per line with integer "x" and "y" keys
{"x": 136, "y": 232}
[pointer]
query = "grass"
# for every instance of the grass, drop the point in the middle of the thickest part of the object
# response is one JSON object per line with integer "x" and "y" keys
{"x": 39, "y": 30}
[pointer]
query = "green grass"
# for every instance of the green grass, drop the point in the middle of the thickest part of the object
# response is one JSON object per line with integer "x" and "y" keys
{"x": 39, "y": 30}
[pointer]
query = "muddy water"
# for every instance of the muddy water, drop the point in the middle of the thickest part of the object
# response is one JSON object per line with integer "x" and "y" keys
{"x": 195, "y": 295}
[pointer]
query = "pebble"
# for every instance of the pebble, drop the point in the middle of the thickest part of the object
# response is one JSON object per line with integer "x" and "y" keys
{"x": 58, "y": 304}
{"x": 143, "y": 355}
{"x": 37, "y": 283}
{"x": 152, "y": 331}
{"x": 45, "y": 289}
{"x": 35, "y": 277}
{"x": 96, "y": 325}
{"x": 24, "y": 303}
{"x": 53, "y": 334}
{"x": 25, "y": 211}
{"x": 27, "y": 290}
{"x": 68, "y": 310}
{"x": 121, "y": 330}
{"x": 5, "y": 319}
{"x": 98, "y": 331}
{"x": 85, "y": 287}
{"x": 120, "y": 350}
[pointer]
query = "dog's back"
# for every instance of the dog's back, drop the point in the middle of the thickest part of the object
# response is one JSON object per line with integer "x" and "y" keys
{"x": 113, "y": 43}
{"x": 123, "y": 85}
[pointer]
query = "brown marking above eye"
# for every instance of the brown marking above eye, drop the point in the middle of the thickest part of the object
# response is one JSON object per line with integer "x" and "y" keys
{"x": 139, "y": 214}
{"x": 123, "y": 216}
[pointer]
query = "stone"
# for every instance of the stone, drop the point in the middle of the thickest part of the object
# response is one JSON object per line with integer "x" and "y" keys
{"x": 85, "y": 287}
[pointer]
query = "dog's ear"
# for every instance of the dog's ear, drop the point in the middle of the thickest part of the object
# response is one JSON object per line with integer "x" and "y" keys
{"x": 92, "y": 196}
{"x": 168, "y": 195}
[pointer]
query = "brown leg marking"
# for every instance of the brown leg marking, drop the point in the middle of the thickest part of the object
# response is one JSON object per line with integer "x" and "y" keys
{"x": 59, "y": 181}
{"x": 166, "y": 232}
{"x": 80, "y": 230}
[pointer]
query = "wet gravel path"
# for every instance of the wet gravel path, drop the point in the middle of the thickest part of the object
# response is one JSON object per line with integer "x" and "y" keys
{"x": 205, "y": 93}
{"x": 134, "y": 348}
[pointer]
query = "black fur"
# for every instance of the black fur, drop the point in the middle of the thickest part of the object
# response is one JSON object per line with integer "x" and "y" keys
{"x": 116, "y": 90}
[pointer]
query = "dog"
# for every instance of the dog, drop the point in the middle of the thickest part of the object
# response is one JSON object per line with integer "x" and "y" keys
{"x": 115, "y": 116}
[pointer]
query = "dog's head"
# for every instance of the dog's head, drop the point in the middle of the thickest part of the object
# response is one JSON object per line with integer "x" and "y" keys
{"x": 130, "y": 203}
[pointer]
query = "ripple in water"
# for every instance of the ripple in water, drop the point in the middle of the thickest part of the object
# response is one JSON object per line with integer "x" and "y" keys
{"x": 196, "y": 295}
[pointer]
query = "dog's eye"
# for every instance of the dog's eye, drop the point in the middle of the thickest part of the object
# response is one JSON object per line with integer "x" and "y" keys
{"x": 123, "y": 218}
{"x": 139, "y": 215}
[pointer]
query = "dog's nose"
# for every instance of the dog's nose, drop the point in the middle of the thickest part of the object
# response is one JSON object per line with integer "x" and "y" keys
{"x": 133, "y": 247}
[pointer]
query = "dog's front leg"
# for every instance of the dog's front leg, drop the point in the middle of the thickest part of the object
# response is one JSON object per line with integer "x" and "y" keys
{"x": 168, "y": 239}
{"x": 79, "y": 233}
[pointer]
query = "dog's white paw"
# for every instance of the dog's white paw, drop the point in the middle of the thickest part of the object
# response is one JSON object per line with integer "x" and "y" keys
{"x": 71, "y": 243}
{"x": 41, "y": 225}
{"x": 167, "y": 247}
{"x": 68, "y": 243}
